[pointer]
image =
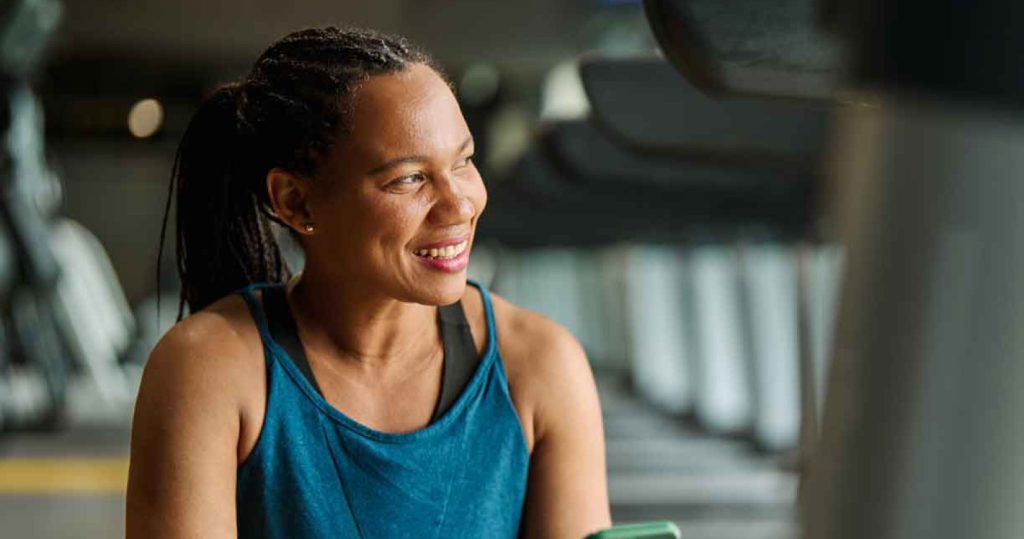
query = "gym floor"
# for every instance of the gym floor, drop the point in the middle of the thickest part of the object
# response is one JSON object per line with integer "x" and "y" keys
{"x": 64, "y": 485}
{"x": 71, "y": 484}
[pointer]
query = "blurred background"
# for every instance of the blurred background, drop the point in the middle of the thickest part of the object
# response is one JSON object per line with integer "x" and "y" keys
{"x": 781, "y": 230}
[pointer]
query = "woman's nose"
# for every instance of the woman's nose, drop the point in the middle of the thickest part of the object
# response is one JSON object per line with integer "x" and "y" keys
{"x": 451, "y": 206}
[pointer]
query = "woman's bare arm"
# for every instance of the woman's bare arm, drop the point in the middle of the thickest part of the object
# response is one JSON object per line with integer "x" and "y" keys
{"x": 185, "y": 435}
{"x": 567, "y": 496}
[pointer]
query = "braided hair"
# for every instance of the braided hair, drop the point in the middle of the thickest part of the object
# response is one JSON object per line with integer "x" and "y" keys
{"x": 285, "y": 114}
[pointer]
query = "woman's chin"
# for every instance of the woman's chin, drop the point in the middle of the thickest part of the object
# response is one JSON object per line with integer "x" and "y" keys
{"x": 441, "y": 290}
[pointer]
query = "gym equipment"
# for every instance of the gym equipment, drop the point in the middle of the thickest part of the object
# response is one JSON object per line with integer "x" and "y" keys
{"x": 37, "y": 377}
{"x": 770, "y": 282}
{"x": 62, "y": 309}
{"x": 698, "y": 173}
{"x": 761, "y": 48}
{"x": 922, "y": 434}
{"x": 577, "y": 187}
{"x": 645, "y": 105}
{"x": 724, "y": 380}
{"x": 93, "y": 310}
{"x": 655, "y": 312}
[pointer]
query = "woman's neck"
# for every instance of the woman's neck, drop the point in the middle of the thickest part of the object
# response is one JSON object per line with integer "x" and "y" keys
{"x": 361, "y": 327}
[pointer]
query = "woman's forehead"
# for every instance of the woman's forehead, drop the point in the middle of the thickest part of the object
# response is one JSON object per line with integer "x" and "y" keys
{"x": 410, "y": 112}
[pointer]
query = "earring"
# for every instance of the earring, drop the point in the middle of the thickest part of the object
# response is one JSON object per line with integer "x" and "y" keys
{"x": 309, "y": 227}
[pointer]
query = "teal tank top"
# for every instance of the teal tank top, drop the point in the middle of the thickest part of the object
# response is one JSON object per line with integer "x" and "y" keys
{"x": 316, "y": 472}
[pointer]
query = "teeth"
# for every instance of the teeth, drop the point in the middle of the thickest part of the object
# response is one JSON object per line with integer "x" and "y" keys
{"x": 449, "y": 251}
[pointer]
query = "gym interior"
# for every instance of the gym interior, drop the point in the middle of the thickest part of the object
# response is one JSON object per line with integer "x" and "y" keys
{"x": 782, "y": 232}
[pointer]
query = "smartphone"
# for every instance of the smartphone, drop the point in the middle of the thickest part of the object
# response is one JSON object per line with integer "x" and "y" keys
{"x": 649, "y": 530}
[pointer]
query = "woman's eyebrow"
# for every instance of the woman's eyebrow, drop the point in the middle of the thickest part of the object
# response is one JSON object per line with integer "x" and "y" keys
{"x": 398, "y": 161}
{"x": 414, "y": 158}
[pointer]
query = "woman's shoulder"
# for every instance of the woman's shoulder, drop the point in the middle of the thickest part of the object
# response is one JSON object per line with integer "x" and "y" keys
{"x": 546, "y": 366}
{"x": 197, "y": 410}
{"x": 221, "y": 336}
{"x": 211, "y": 359}
{"x": 533, "y": 337}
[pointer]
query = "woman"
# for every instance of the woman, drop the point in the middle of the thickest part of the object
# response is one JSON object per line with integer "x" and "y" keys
{"x": 323, "y": 405}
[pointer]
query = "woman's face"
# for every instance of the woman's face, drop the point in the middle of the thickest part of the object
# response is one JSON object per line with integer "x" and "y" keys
{"x": 397, "y": 201}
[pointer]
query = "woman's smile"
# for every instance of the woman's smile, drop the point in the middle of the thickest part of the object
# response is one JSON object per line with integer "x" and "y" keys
{"x": 450, "y": 256}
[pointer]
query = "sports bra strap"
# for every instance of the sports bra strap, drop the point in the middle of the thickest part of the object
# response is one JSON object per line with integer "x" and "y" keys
{"x": 460, "y": 357}
{"x": 284, "y": 331}
{"x": 255, "y": 310}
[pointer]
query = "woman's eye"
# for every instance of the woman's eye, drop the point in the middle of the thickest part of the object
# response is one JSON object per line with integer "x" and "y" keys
{"x": 464, "y": 163}
{"x": 406, "y": 181}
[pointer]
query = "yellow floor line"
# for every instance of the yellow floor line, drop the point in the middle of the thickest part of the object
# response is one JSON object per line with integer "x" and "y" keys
{"x": 63, "y": 476}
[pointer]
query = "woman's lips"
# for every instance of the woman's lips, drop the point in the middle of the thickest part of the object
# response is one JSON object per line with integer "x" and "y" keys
{"x": 454, "y": 264}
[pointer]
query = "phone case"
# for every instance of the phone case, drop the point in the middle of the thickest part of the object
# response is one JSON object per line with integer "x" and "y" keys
{"x": 649, "y": 530}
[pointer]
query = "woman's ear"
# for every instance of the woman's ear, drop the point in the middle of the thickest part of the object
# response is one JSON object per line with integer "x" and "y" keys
{"x": 289, "y": 196}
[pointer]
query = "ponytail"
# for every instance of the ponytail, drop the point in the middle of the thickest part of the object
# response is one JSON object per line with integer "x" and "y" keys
{"x": 224, "y": 239}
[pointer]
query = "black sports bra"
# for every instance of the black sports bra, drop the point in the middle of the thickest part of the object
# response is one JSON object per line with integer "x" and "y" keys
{"x": 460, "y": 356}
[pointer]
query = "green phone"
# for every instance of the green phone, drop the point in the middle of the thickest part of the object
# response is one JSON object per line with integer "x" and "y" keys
{"x": 648, "y": 530}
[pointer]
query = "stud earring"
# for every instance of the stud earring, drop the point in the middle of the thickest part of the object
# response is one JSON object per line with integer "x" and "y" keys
{"x": 309, "y": 227}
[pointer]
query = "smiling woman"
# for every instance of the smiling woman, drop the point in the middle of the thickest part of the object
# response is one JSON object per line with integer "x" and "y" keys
{"x": 375, "y": 394}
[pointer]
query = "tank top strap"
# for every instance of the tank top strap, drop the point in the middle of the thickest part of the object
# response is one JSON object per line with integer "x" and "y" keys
{"x": 492, "y": 328}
